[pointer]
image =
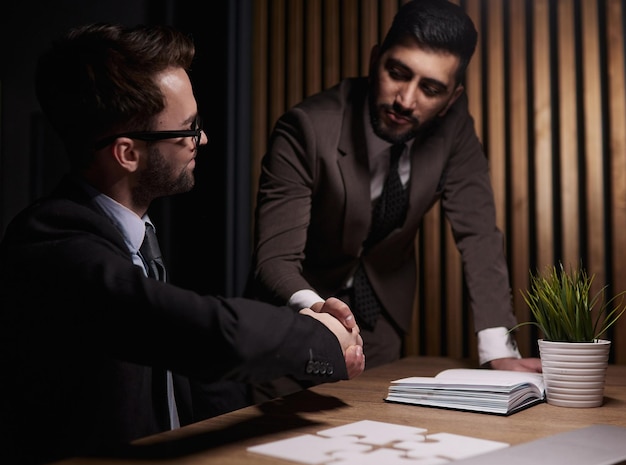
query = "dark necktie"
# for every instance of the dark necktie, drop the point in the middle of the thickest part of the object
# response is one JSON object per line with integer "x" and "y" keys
{"x": 389, "y": 213}
{"x": 390, "y": 210}
{"x": 162, "y": 384}
{"x": 151, "y": 253}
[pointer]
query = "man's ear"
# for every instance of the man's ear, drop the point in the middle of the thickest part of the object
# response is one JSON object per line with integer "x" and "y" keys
{"x": 455, "y": 95}
{"x": 126, "y": 154}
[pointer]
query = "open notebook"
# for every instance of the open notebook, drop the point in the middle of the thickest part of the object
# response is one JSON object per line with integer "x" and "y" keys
{"x": 479, "y": 390}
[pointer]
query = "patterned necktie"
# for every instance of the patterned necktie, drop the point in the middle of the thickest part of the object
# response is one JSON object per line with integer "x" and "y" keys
{"x": 390, "y": 210}
{"x": 389, "y": 213}
{"x": 162, "y": 380}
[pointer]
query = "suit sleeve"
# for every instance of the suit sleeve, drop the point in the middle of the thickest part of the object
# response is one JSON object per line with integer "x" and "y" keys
{"x": 283, "y": 211}
{"x": 91, "y": 302}
{"x": 468, "y": 202}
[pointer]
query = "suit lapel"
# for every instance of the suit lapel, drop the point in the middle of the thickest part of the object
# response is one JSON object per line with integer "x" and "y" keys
{"x": 354, "y": 168}
{"x": 426, "y": 171}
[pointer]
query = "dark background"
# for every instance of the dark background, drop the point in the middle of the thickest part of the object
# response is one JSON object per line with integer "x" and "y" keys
{"x": 204, "y": 234}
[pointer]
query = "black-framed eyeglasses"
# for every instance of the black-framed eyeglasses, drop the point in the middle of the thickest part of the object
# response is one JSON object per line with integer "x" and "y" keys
{"x": 155, "y": 135}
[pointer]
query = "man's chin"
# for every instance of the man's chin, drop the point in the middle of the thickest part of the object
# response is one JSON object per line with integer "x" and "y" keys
{"x": 183, "y": 186}
{"x": 395, "y": 137}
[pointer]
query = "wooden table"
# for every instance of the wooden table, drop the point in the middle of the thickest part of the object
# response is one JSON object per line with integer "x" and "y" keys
{"x": 224, "y": 439}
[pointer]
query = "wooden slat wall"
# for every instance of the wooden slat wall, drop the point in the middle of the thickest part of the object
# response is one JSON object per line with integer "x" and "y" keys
{"x": 518, "y": 221}
{"x": 615, "y": 150}
{"x": 547, "y": 89}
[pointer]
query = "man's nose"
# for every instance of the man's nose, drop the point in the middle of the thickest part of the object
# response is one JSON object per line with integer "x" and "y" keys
{"x": 406, "y": 97}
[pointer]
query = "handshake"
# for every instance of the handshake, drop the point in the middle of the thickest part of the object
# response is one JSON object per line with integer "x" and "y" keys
{"x": 338, "y": 318}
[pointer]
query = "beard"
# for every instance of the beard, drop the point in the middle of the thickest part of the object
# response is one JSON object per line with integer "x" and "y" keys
{"x": 382, "y": 130}
{"x": 157, "y": 179}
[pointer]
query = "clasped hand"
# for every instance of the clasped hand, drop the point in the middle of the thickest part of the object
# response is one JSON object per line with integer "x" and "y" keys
{"x": 337, "y": 317}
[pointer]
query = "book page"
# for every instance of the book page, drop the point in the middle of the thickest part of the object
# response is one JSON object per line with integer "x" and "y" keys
{"x": 492, "y": 377}
{"x": 477, "y": 377}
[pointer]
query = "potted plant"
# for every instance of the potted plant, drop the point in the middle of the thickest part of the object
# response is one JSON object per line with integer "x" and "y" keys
{"x": 572, "y": 321}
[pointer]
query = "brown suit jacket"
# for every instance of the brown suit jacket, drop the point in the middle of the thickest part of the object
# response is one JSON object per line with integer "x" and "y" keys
{"x": 314, "y": 208}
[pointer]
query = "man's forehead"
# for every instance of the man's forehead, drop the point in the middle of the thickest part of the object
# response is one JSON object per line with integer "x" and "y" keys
{"x": 424, "y": 62}
{"x": 180, "y": 103}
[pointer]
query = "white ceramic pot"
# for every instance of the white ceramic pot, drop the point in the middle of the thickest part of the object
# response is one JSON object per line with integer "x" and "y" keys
{"x": 574, "y": 372}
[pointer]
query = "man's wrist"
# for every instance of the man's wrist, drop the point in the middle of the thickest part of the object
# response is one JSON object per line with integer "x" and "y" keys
{"x": 304, "y": 298}
{"x": 495, "y": 343}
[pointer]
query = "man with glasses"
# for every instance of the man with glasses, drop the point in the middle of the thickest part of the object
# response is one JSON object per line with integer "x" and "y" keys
{"x": 98, "y": 349}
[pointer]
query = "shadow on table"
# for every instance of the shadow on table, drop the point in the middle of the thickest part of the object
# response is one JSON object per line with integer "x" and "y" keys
{"x": 275, "y": 416}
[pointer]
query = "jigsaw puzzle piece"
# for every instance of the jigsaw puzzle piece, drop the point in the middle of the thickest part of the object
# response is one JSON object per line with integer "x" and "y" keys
{"x": 375, "y": 432}
{"x": 448, "y": 446}
{"x": 309, "y": 449}
{"x": 383, "y": 456}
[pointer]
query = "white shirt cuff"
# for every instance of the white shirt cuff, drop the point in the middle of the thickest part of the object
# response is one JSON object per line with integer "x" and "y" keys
{"x": 494, "y": 343}
{"x": 303, "y": 299}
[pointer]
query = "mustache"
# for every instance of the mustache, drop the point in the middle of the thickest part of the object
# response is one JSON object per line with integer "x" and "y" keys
{"x": 399, "y": 110}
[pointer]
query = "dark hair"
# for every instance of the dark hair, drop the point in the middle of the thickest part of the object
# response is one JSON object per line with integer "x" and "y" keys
{"x": 99, "y": 78}
{"x": 436, "y": 25}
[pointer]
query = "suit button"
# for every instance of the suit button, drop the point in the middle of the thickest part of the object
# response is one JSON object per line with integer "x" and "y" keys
{"x": 316, "y": 368}
{"x": 319, "y": 368}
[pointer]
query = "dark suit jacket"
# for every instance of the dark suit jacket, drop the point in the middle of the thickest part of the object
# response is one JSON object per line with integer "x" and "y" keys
{"x": 314, "y": 208}
{"x": 82, "y": 331}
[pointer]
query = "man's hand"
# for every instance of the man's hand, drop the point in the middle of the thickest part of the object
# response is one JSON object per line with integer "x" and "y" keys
{"x": 337, "y": 308}
{"x": 349, "y": 339}
{"x": 517, "y": 364}
{"x": 355, "y": 361}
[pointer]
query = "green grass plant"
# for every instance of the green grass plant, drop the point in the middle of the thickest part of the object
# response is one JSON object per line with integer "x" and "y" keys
{"x": 564, "y": 309}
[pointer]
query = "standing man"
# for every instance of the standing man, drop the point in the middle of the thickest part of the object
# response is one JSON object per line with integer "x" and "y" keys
{"x": 96, "y": 347}
{"x": 330, "y": 221}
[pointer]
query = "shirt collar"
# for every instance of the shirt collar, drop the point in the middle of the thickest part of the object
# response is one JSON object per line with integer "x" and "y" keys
{"x": 131, "y": 226}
